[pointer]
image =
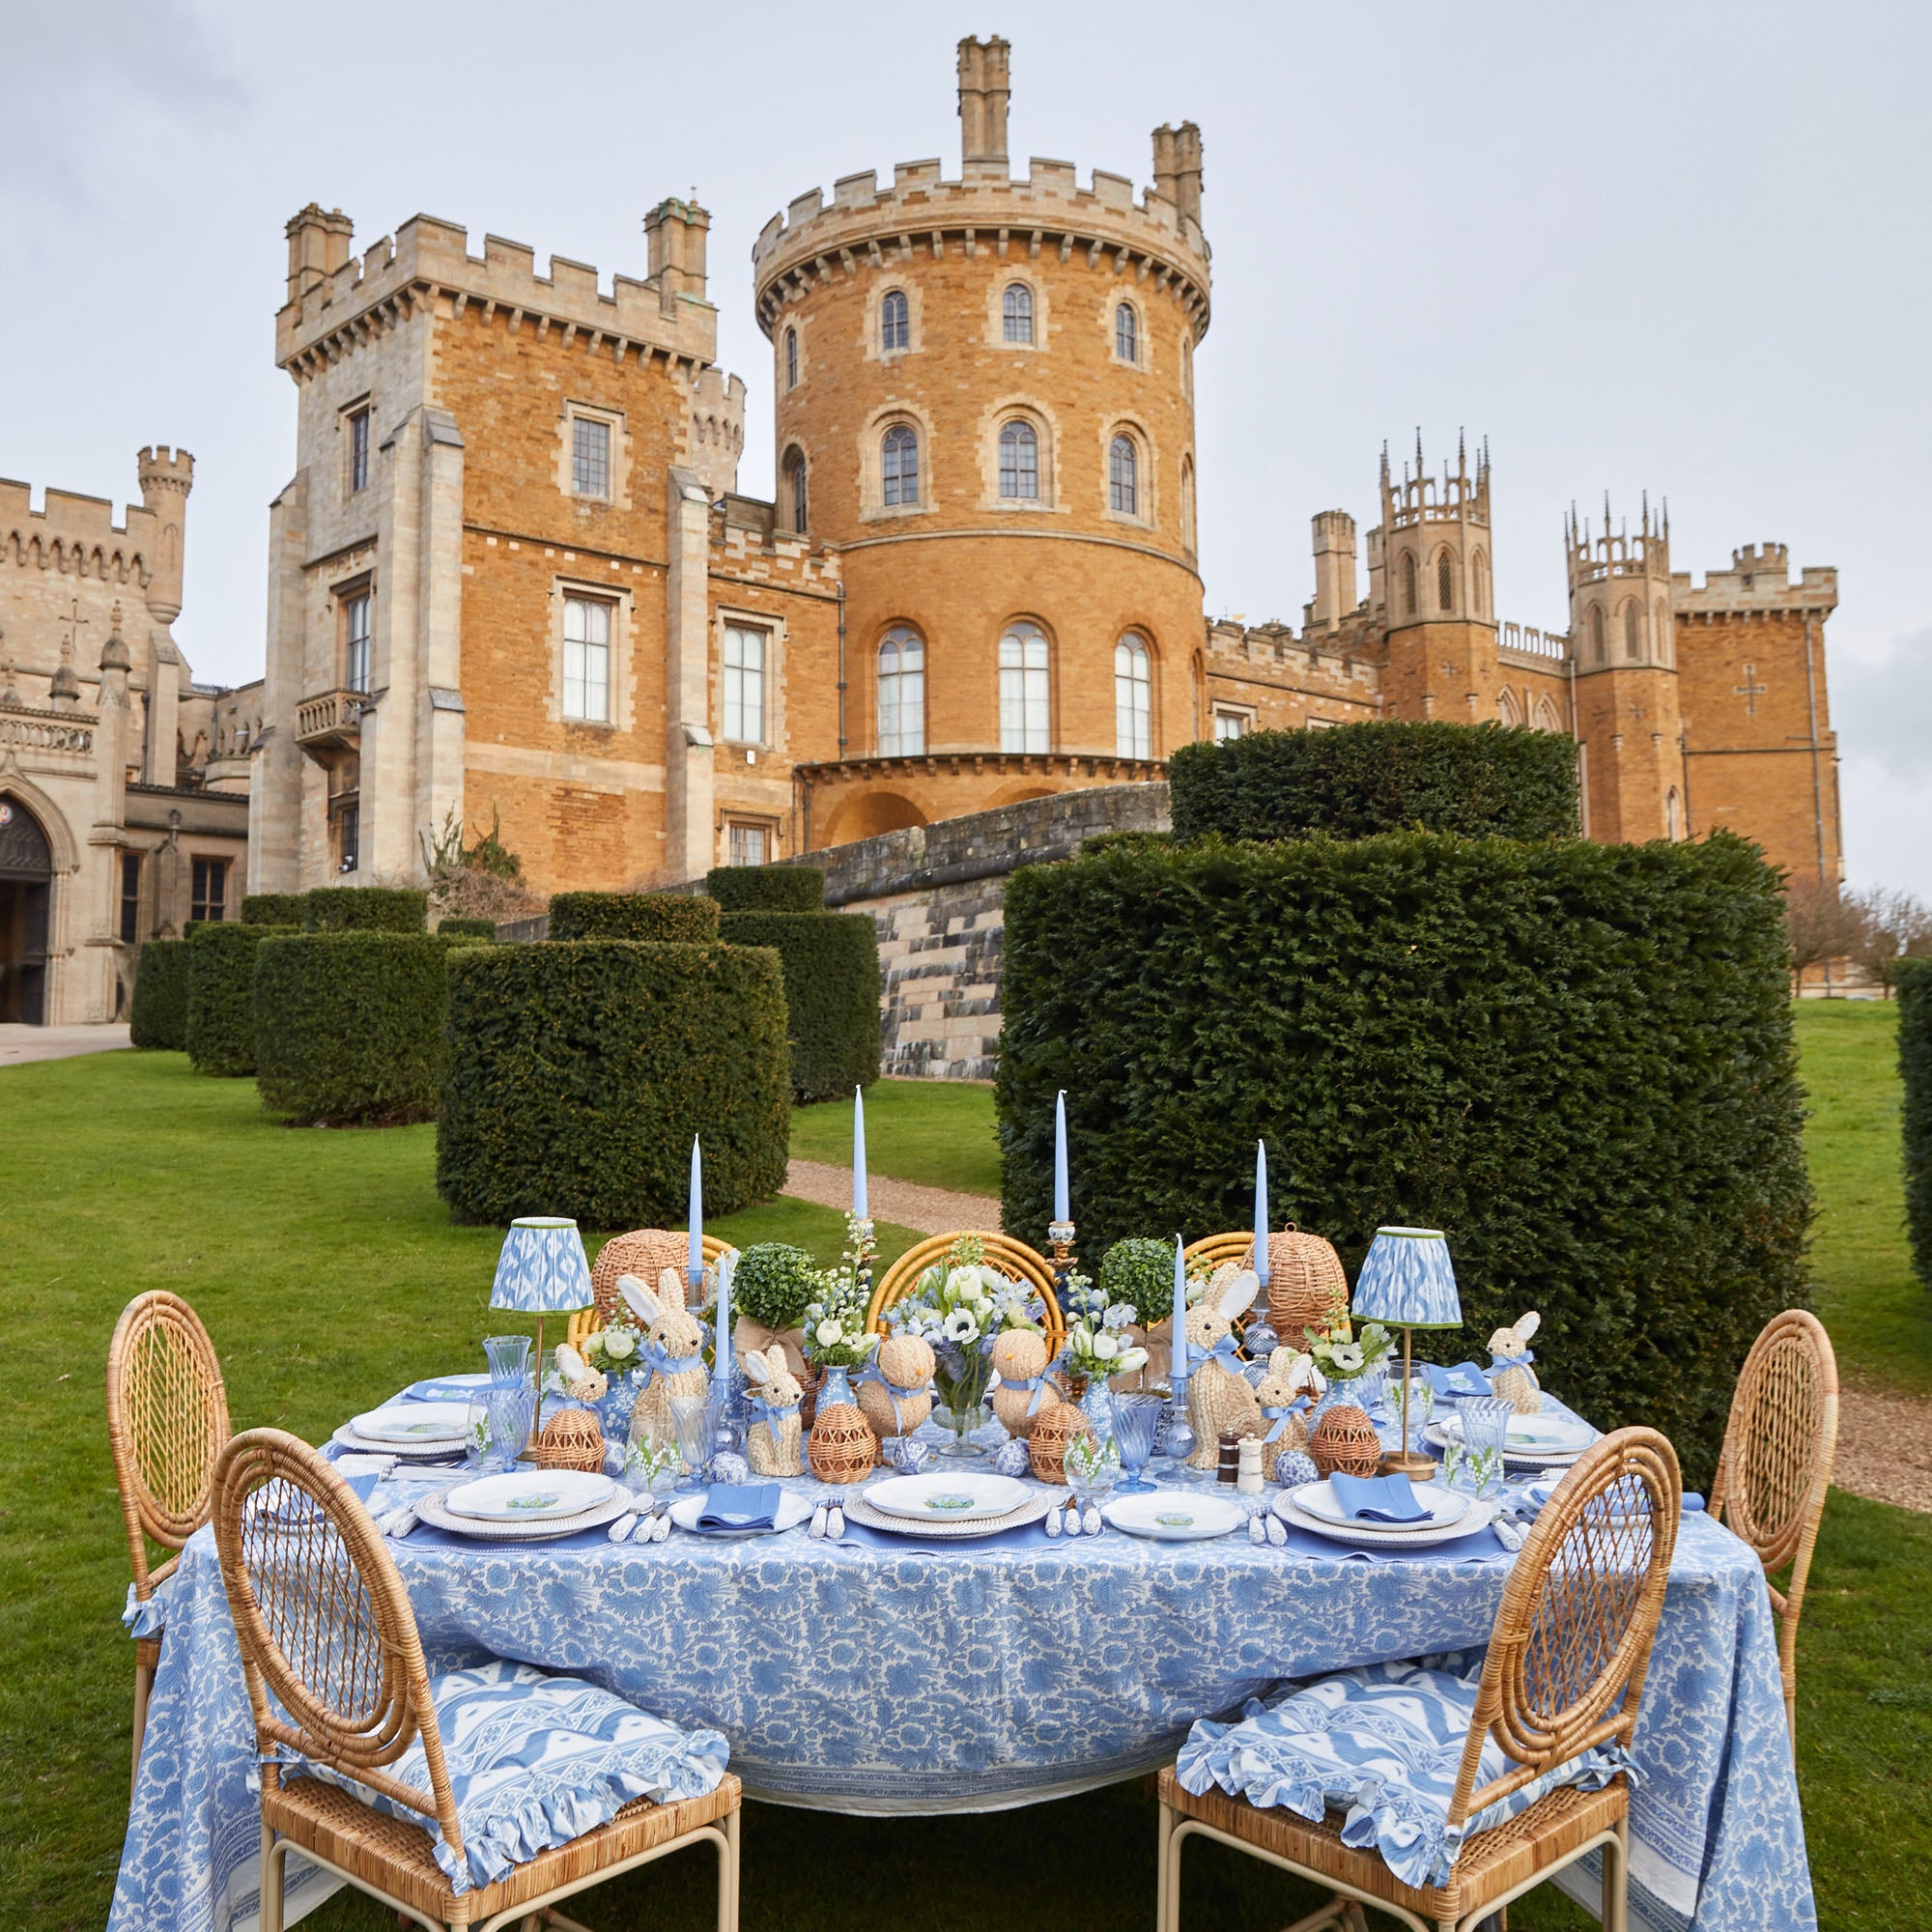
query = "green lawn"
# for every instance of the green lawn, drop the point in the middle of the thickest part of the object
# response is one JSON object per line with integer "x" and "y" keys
{"x": 329, "y": 1273}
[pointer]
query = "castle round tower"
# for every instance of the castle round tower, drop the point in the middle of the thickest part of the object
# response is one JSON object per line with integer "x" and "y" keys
{"x": 985, "y": 402}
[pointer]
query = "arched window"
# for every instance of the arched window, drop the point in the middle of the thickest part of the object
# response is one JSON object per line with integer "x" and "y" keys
{"x": 1596, "y": 634}
{"x": 1025, "y": 702}
{"x": 1016, "y": 313}
{"x": 899, "y": 465}
{"x": 1632, "y": 644}
{"x": 791, "y": 359}
{"x": 1133, "y": 710}
{"x": 1019, "y": 461}
{"x": 796, "y": 488}
{"x": 1123, "y": 476}
{"x": 1508, "y": 711}
{"x": 1408, "y": 583}
{"x": 1479, "y": 584}
{"x": 1673, "y": 815}
{"x": 1445, "y": 581}
{"x": 1665, "y": 634}
{"x": 894, "y": 322}
{"x": 901, "y": 694}
{"x": 1127, "y": 333}
{"x": 1546, "y": 719}
{"x": 1187, "y": 501}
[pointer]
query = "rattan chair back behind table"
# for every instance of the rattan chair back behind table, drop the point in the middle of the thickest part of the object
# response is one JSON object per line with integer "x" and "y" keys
{"x": 1011, "y": 1257}
{"x": 644, "y": 1252}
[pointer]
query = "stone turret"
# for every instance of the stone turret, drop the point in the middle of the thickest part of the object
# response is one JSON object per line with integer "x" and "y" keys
{"x": 983, "y": 94}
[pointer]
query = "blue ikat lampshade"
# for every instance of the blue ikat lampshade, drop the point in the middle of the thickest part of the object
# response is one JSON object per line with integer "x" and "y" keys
{"x": 542, "y": 1268}
{"x": 1408, "y": 1282}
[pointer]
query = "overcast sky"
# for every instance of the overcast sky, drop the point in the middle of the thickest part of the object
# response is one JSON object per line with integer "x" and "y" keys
{"x": 1679, "y": 247}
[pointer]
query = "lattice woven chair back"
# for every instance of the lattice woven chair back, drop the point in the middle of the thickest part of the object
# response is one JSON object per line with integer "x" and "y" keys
{"x": 644, "y": 1252}
{"x": 1571, "y": 1641}
{"x": 167, "y": 1420}
{"x": 1775, "y": 1467}
{"x": 1011, "y": 1257}
{"x": 323, "y": 1621}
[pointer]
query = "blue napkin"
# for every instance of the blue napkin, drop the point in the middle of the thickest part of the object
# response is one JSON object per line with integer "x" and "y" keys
{"x": 1376, "y": 1498}
{"x": 363, "y": 1485}
{"x": 1465, "y": 1378}
{"x": 740, "y": 1506}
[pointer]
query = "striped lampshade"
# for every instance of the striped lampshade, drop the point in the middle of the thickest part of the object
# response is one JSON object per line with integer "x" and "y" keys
{"x": 1407, "y": 1280}
{"x": 542, "y": 1268}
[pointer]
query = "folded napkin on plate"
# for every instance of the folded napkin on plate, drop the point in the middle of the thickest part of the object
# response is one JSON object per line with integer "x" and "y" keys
{"x": 1465, "y": 1378}
{"x": 437, "y": 1388}
{"x": 740, "y": 1506}
{"x": 1376, "y": 1498}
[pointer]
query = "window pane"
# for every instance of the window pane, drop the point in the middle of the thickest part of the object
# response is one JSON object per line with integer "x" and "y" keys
{"x": 745, "y": 686}
{"x": 1133, "y": 731}
{"x": 590, "y": 457}
{"x": 355, "y": 627}
{"x": 894, "y": 322}
{"x": 586, "y": 660}
{"x": 1025, "y": 723}
{"x": 899, "y": 465}
{"x": 1016, "y": 313}
{"x": 1123, "y": 476}
{"x": 1020, "y": 462}
{"x": 1127, "y": 334}
{"x": 746, "y": 844}
{"x": 799, "y": 520}
{"x": 791, "y": 359}
{"x": 359, "y": 450}
{"x": 1229, "y": 725}
{"x": 901, "y": 694}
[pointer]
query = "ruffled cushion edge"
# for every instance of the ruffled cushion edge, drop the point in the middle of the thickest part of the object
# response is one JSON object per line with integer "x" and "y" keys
{"x": 145, "y": 1619}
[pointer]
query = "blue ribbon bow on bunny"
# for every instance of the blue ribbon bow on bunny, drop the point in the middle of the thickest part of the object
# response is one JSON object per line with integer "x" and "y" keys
{"x": 771, "y": 1414}
{"x": 1226, "y": 1350}
{"x": 1037, "y": 1383}
{"x": 1281, "y": 1414}
{"x": 895, "y": 1392}
{"x": 655, "y": 1359}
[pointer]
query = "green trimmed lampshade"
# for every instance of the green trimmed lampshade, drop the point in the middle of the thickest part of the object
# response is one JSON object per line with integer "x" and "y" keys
{"x": 542, "y": 1269}
{"x": 1408, "y": 1282}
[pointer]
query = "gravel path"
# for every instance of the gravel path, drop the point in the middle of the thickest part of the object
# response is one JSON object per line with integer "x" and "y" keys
{"x": 1885, "y": 1447}
{"x": 932, "y": 1210}
{"x": 19, "y": 1044}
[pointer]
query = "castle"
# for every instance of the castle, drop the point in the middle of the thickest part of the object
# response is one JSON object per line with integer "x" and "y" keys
{"x": 512, "y": 577}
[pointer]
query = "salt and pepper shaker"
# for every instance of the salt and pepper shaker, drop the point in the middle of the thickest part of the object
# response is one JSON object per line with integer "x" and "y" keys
{"x": 1248, "y": 1476}
{"x": 1229, "y": 1468}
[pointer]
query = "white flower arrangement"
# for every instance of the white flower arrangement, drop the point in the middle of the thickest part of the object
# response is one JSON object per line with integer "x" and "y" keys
{"x": 835, "y": 1335}
{"x": 1341, "y": 1355}
{"x": 613, "y": 1348}
{"x": 960, "y": 1305}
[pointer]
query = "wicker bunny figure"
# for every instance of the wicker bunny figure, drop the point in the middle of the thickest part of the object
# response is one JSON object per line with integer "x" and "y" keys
{"x": 1511, "y": 1376}
{"x": 671, "y": 1355}
{"x": 895, "y": 1389}
{"x": 1021, "y": 1395}
{"x": 772, "y": 1446}
{"x": 1218, "y": 1395}
{"x": 1288, "y": 1391}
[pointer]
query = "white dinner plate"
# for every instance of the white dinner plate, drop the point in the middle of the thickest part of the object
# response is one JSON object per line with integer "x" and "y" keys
{"x": 1538, "y": 1434}
{"x": 1174, "y": 1515}
{"x": 414, "y": 1422}
{"x": 947, "y": 1498}
{"x": 1367, "y": 1536}
{"x": 793, "y": 1508}
{"x": 1444, "y": 1505}
{"x": 529, "y": 1495}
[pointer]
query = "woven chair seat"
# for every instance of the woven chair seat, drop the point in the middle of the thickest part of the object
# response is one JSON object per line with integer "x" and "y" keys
{"x": 1493, "y": 1864}
{"x": 400, "y": 1858}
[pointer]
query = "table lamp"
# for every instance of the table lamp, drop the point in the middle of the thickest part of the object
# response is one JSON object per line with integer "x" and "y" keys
{"x": 1407, "y": 1283}
{"x": 542, "y": 1272}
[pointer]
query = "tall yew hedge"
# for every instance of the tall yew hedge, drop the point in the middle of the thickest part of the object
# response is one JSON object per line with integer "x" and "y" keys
{"x": 1577, "y": 1059}
{"x": 578, "y": 1071}
{"x": 1914, "y": 986}
{"x": 158, "y": 1016}
{"x": 365, "y": 909}
{"x": 221, "y": 996}
{"x": 832, "y": 993}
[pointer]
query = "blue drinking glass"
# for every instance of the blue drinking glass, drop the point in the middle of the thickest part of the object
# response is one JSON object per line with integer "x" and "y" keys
{"x": 1137, "y": 1416}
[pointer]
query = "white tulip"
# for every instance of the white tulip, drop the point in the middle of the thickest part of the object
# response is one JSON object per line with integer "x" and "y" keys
{"x": 1105, "y": 1347}
{"x": 829, "y": 1333}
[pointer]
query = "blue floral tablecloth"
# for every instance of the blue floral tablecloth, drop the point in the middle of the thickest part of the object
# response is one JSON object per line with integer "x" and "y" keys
{"x": 876, "y": 1678}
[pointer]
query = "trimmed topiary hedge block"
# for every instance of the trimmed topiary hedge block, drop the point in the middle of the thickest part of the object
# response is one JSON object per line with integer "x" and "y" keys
{"x": 1914, "y": 987}
{"x": 766, "y": 887}
{"x": 221, "y": 996}
{"x": 365, "y": 909}
{"x": 349, "y": 1025}
{"x": 1574, "y": 1058}
{"x": 159, "y": 1015}
{"x": 579, "y": 1071}
{"x": 274, "y": 909}
{"x": 832, "y": 993}
{"x": 669, "y": 919}
{"x": 1359, "y": 780}
{"x": 467, "y": 928}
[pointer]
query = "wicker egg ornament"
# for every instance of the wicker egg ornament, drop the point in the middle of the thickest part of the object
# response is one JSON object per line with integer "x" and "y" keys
{"x": 1308, "y": 1287}
{"x": 1054, "y": 1427}
{"x": 571, "y": 1440}
{"x": 644, "y": 1252}
{"x": 1346, "y": 1439}
{"x": 842, "y": 1447}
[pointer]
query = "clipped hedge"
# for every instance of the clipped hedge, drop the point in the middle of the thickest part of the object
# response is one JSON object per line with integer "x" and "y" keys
{"x": 773, "y": 1282}
{"x": 1576, "y": 1059}
{"x": 159, "y": 1015}
{"x": 766, "y": 887}
{"x": 221, "y": 996}
{"x": 274, "y": 909}
{"x": 1914, "y": 988}
{"x": 365, "y": 909}
{"x": 349, "y": 1025}
{"x": 671, "y": 919}
{"x": 832, "y": 993}
{"x": 578, "y": 1072}
{"x": 467, "y": 928}
{"x": 1359, "y": 780}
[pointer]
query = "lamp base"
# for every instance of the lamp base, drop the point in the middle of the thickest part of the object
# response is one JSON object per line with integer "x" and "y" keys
{"x": 1407, "y": 1463}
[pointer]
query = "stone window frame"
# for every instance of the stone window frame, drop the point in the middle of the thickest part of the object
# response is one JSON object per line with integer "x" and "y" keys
{"x": 1481, "y": 592}
{"x": 1143, "y": 360}
{"x": 884, "y": 283}
{"x": 1633, "y": 615}
{"x": 793, "y": 462}
{"x": 1141, "y": 635}
{"x": 1010, "y": 626}
{"x": 623, "y": 619}
{"x": 890, "y": 633}
{"x": 1667, "y": 635}
{"x": 1445, "y": 581}
{"x": 872, "y": 505}
{"x": 731, "y": 818}
{"x": 1045, "y": 423}
{"x": 1190, "y": 535}
{"x": 1145, "y": 516}
{"x": 744, "y": 617}
{"x": 1006, "y": 274}
{"x": 341, "y": 595}
{"x": 1244, "y": 716}
{"x": 791, "y": 357}
{"x": 363, "y": 405}
{"x": 574, "y": 408}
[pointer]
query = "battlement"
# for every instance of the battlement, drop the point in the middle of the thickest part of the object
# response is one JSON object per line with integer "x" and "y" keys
{"x": 77, "y": 533}
{"x": 1525, "y": 641}
{"x": 747, "y": 544}
{"x": 1758, "y": 581}
{"x": 1614, "y": 554}
{"x": 161, "y": 467}
{"x": 717, "y": 438}
{"x": 428, "y": 264}
{"x": 1274, "y": 647}
{"x": 1457, "y": 497}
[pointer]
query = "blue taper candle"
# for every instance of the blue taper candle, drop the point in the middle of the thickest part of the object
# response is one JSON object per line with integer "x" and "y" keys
{"x": 1179, "y": 1346}
{"x": 693, "y": 1266}
{"x": 858, "y": 1206}
{"x": 1061, "y": 1211}
{"x": 1261, "y": 1211}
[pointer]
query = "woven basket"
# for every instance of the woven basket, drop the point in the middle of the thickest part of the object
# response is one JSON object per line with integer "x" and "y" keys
{"x": 1054, "y": 1429}
{"x": 571, "y": 1440}
{"x": 1346, "y": 1439}
{"x": 1308, "y": 1287}
{"x": 644, "y": 1252}
{"x": 842, "y": 1447}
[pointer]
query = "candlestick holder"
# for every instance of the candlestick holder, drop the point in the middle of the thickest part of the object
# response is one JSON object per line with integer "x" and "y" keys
{"x": 1060, "y": 1238}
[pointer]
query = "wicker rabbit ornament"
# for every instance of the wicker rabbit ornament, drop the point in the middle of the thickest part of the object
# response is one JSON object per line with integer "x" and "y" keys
{"x": 1218, "y": 1395}
{"x": 673, "y": 1355}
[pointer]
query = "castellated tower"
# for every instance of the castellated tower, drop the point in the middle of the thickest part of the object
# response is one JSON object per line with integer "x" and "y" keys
{"x": 1436, "y": 573}
{"x": 1623, "y": 647}
{"x": 167, "y": 476}
{"x": 984, "y": 400}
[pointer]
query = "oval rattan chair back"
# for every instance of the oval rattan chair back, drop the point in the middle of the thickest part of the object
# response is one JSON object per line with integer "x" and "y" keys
{"x": 167, "y": 1420}
{"x": 644, "y": 1252}
{"x": 1011, "y": 1257}
{"x": 1571, "y": 1641}
{"x": 322, "y": 1618}
{"x": 1307, "y": 1305}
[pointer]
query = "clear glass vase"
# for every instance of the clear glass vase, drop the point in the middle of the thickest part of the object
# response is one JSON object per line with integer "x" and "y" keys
{"x": 961, "y": 1406}
{"x": 508, "y": 1356}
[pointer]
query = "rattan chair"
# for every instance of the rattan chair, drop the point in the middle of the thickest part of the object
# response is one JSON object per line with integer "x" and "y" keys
{"x": 644, "y": 1251}
{"x": 1777, "y": 1466}
{"x": 1008, "y": 1256}
{"x": 328, "y": 1636}
{"x": 168, "y": 1419}
{"x": 1564, "y": 1674}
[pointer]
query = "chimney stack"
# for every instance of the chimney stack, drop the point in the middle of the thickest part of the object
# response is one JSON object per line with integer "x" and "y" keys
{"x": 1187, "y": 170}
{"x": 984, "y": 92}
{"x": 1334, "y": 567}
{"x": 318, "y": 245}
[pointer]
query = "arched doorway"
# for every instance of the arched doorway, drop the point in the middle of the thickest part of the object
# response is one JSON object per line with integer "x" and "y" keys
{"x": 26, "y": 889}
